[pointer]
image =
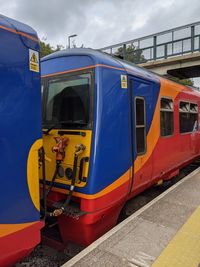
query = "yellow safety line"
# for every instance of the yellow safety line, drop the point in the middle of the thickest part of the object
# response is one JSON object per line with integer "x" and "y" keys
{"x": 184, "y": 249}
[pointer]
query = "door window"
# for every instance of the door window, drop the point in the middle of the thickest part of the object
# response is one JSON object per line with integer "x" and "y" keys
{"x": 140, "y": 121}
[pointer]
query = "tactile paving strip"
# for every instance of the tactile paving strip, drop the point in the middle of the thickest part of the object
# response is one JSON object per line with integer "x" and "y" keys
{"x": 184, "y": 249}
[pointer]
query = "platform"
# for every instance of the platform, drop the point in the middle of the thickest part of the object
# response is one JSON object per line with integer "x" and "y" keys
{"x": 164, "y": 233}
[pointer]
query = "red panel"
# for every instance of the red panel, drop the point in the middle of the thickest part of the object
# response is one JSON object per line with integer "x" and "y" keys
{"x": 102, "y": 216}
{"x": 16, "y": 246}
{"x": 171, "y": 153}
{"x": 89, "y": 227}
{"x": 110, "y": 199}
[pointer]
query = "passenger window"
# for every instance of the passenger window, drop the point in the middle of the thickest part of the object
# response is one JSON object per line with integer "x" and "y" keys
{"x": 193, "y": 117}
{"x": 140, "y": 121}
{"x": 188, "y": 117}
{"x": 166, "y": 117}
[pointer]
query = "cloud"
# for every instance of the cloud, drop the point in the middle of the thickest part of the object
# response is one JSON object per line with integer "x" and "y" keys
{"x": 99, "y": 23}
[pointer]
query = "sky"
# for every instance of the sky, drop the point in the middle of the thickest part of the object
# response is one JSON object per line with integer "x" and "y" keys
{"x": 100, "y": 23}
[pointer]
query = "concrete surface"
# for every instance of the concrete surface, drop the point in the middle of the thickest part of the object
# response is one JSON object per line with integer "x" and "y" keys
{"x": 140, "y": 239}
{"x": 185, "y": 66}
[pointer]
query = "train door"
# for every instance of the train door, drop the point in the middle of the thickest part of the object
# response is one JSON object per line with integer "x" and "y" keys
{"x": 141, "y": 117}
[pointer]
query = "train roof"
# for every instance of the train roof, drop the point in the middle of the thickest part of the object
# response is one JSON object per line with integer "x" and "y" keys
{"x": 27, "y": 34}
{"x": 104, "y": 59}
{"x": 100, "y": 57}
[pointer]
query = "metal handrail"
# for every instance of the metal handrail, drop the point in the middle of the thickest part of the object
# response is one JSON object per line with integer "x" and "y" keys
{"x": 153, "y": 49}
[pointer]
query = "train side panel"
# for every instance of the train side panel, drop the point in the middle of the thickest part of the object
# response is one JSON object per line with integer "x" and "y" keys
{"x": 20, "y": 139}
{"x": 174, "y": 152}
{"x": 167, "y": 154}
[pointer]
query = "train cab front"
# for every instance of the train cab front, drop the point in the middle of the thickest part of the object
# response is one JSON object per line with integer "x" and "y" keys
{"x": 67, "y": 137}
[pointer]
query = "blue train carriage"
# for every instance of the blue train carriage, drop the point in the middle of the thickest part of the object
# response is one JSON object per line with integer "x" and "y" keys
{"x": 20, "y": 139}
{"x": 109, "y": 128}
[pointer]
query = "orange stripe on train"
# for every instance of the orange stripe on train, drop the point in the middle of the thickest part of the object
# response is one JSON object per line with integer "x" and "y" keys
{"x": 7, "y": 229}
{"x": 19, "y": 33}
{"x": 121, "y": 180}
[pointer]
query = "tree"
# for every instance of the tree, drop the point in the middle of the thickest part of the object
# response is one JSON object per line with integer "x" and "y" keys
{"x": 46, "y": 49}
{"x": 187, "y": 82}
{"x": 130, "y": 53}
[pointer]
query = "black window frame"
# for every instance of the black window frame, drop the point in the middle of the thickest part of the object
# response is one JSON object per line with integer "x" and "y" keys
{"x": 140, "y": 126}
{"x": 189, "y": 112}
{"x": 61, "y": 77}
{"x": 166, "y": 110}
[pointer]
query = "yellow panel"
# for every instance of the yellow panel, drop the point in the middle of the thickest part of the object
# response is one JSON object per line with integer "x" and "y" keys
{"x": 184, "y": 249}
{"x": 33, "y": 173}
{"x": 49, "y": 142}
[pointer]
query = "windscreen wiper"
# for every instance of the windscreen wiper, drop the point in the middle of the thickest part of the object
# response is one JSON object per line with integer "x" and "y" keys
{"x": 53, "y": 126}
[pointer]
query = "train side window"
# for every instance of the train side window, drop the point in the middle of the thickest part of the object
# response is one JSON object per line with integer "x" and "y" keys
{"x": 188, "y": 117}
{"x": 140, "y": 125}
{"x": 193, "y": 117}
{"x": 166, "y": 117}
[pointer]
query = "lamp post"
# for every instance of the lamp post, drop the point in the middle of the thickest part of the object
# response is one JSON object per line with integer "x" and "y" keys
{"x": 69, "y": 37}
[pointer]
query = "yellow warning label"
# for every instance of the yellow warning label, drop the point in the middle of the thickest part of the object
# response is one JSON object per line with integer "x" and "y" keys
{"x": 34, "y": 60}
{"x": 124, "y": 82}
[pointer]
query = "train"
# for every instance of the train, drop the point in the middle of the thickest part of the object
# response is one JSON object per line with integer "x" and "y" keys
{"x": 81, "y": 134}
{"x": 20, "y": 141}
{"x": 110, "y": 130}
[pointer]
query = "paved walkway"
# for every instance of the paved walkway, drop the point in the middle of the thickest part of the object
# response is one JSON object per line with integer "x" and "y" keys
{"x": 164, "y": 233}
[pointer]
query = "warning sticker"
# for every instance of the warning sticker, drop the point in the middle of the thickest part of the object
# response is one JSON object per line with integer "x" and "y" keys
{"x": 124, "y": 81}
{"x": 34, "y": 60}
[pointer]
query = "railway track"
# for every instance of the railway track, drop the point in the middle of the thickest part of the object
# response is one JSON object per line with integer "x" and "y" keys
{"x": 44, "y": 256}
